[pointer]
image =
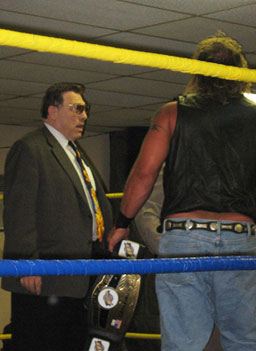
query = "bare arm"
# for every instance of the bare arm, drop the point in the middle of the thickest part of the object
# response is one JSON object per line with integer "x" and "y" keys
{"x": 143, "y": 175}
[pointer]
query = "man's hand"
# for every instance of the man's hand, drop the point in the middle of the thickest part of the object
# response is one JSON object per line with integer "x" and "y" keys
{"x": 32, "y": 284}
{"x": 115, "y": 236}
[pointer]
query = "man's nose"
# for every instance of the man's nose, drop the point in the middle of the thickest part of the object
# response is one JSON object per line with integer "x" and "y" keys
{"x": 83, "y": 116}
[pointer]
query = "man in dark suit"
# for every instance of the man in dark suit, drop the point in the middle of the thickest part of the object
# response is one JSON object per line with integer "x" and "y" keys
{"x": 49, "y": 213}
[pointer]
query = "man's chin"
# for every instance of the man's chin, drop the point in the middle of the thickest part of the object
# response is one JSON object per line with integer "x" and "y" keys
{"x": 79, "y": 135}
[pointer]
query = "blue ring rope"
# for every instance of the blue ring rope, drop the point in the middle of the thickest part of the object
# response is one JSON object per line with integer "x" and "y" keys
{"x": 122, "y": 266}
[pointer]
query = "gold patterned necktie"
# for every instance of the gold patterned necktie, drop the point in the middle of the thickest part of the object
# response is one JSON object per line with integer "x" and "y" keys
{"x": 96, "y": 207}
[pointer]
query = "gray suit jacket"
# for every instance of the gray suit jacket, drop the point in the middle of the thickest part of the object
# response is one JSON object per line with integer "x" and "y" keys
{"x": 46, "y": 214}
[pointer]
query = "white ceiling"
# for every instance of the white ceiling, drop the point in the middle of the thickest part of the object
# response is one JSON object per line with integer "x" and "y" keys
{"x": 121, "y": 95}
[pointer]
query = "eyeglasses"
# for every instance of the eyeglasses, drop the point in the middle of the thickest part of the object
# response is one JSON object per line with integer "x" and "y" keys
{"x": 77, "y": 108}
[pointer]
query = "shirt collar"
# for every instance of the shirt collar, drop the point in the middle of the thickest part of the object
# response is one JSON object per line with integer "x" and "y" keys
{"x": 57, "y": 134}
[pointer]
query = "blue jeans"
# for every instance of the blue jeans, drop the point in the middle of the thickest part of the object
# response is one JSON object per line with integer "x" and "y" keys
{"x": 190, "y": 303}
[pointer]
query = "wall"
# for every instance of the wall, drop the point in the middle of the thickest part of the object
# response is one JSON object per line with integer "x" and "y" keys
{"x": 97, "y": 148}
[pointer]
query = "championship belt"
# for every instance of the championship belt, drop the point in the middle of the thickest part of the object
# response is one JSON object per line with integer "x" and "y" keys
{"x": 112, "y": 304}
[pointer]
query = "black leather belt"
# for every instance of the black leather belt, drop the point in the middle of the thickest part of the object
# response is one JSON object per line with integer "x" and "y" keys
{"x": 239, "y": 228}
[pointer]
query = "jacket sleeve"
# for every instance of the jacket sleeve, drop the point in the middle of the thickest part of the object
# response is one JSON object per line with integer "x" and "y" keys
{"x": 21, "y": 181}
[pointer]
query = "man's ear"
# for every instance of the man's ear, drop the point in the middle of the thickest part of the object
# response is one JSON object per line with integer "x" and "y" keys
{"x": 52, "y": 110}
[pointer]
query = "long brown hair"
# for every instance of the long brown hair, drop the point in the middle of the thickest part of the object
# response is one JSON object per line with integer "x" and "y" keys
{"x": 224, "y": 50}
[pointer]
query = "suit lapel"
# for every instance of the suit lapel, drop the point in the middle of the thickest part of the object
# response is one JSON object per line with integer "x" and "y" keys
{"x": 65, "y": 162}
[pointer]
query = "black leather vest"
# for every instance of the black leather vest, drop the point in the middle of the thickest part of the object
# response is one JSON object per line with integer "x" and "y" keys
{"x": 212, "y": 159}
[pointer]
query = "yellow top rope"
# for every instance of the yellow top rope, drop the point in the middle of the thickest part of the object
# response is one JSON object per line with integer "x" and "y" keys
{"x": 125, "y": 56}
{"x": 127, "y": 335}
{"x": 110, "y": 195}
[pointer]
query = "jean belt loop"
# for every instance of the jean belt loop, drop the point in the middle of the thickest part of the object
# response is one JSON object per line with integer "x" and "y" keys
{"x": 249, "y": 229}
{"x": 164, "y": 225}
{"x": 188, "y": 226}
{"x": 218, "y": 227}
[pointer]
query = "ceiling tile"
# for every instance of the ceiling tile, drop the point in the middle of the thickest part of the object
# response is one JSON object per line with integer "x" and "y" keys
{"x": 251, "y": 58}
{"x": 152, "y": 107}
{"x": 137, "y": 86}
{"x": 21, "y": 88}
{"x": 80, "y": 63}
{"x": 8, "y": 51}
{"x": 4, "y": 97}
{"x": 101, "y": 13}
{"x": 17, "y": 116}
{"x": 117, "y": 99}
{"x": 29, "y": 103}
{"x": 198, "y": 28}
{"x": 102, "y": 108}
{"x": 49, "y": 27}
{"x": 166, "y": 76}
{"x": 47, "y": 74}
{"x": 193, "y": 6}
{"x": 241, "y": 15}
{"x": 152, "y": 43}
